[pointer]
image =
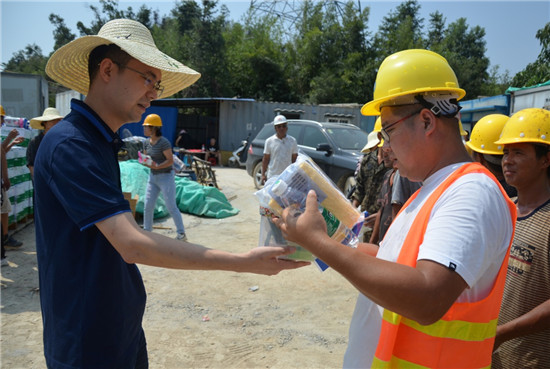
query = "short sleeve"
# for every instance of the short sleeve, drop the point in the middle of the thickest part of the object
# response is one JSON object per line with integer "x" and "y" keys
{"x": 165, "y": 144}
{"x": 88, "y": 188}
{"x": 470, "y": 229}
{"x": 294, "y": 146}
{"x": 267, "y": 146}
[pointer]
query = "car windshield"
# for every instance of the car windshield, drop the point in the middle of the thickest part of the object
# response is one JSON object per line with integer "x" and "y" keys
{"x": 348, "y": 138}
{"x": 266, "y": 132}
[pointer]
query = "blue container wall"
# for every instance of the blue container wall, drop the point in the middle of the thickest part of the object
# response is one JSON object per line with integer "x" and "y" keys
{"x": 169, "y": 116}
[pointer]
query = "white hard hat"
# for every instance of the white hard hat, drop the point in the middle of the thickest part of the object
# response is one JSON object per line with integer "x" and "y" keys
{"x": 373, "y": 141}
{"x": 279, "y": 119}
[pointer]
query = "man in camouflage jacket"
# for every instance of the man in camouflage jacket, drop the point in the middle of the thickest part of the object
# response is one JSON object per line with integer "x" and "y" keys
{"x": 369, "y": 180}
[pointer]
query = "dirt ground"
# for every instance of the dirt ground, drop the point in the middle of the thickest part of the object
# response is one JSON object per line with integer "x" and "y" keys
{"x": 197, "y": 319}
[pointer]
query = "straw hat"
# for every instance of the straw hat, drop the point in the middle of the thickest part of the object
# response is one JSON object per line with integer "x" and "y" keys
{"x": 69, "y": 64}
{"x": 49, "y": 114}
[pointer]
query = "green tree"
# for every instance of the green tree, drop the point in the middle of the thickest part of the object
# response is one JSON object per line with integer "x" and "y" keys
{"x": 328, "y": 55}
{"x": 497, "y": 83}
{"x": 201, "y": 38}
{"x": 61, "y": 34}
{"x": 435, "y": 31}
{"x": 255, "y": 59}
{"x": 109, "y": 11}
{"x": 29, "y": 60}
{"x": 400, "y": 30}
{"x": 538, "y": 71}
{"x": 464, "y": 49}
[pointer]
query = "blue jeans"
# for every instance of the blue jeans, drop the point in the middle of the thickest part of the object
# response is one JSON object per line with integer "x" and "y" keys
{"x": 165, "y": 183}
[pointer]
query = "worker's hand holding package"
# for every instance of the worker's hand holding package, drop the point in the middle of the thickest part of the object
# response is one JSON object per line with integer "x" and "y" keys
{"x": 335, "y": 215}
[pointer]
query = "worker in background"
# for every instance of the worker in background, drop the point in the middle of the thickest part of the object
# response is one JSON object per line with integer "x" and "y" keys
{"x": 44, "y": 123}
{"x": 369, "y": 179}
{"x": 213, "y": 151}
{"x": 280, "y": 150}
{"x": 523, "y": 332}
{"x": 484, "y": 149}
{"x": 430, "y": 294}
{"x": 161, "y": 176}
{"x": 384, "y": 215}
{"x": 8, "y": 241}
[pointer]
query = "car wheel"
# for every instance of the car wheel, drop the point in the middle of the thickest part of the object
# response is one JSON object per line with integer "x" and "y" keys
{"x": 257, "y": 175}
{"x": 345, "y": 184}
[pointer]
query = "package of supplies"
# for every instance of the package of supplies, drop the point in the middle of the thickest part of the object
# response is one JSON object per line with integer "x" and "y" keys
{"x": 271, "y": 235}
{"x": 144, "y": 159}
{"x": 290, "y": 188}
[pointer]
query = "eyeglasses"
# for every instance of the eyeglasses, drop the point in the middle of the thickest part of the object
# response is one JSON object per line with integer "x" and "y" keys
{"x": 281, "y": 126}
{"x": 384, "y": 131}
{"x": 149, "y": 82}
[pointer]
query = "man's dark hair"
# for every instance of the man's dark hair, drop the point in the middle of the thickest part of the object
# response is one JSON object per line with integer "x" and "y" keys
{"x": 111, "y": 51}
{"x": 491, "y": 162}
{"x": 540, "y": 151}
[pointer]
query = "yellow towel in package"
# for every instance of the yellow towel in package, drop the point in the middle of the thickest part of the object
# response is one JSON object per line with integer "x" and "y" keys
{"x": 335, "y": 201}
{"x": 290, "y": 188}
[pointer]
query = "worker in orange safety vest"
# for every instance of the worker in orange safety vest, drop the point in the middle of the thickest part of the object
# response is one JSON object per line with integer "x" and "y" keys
{"x": 430, "y": 293}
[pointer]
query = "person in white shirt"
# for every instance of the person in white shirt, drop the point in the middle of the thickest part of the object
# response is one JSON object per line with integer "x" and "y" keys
{"x": 433, "y": 288}
{"x": 280, "y": 150}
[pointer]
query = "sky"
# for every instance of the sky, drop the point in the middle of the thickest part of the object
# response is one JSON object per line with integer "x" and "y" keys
{"x": 510, "y": 26}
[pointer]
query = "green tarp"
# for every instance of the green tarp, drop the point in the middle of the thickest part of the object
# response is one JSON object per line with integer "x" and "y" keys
{"x": 512, "y": 89}
{"x": 191, "y": 197}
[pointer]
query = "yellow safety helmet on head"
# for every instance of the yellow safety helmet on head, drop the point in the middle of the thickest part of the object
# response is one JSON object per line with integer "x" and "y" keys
{"x": 462, "y": 130}
{"x": 486, "y": 131}
{"x": 153, "y": 120}
{"x": 412, "y": 72}
{"x": 527, "y": 125}
{"x": 378, "y": 125}
{"x": 2, "y": 111}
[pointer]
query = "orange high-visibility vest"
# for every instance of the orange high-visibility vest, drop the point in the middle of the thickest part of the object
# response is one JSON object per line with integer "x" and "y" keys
{"x": 464, "y": 336}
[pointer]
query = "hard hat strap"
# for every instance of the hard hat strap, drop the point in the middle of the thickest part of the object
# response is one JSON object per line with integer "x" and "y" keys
{"x": 445, "y": 106}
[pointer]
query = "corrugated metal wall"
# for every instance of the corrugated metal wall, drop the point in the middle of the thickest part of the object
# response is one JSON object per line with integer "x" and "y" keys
{"x": 238, "y": 118}
{"x": 23, "y": 95}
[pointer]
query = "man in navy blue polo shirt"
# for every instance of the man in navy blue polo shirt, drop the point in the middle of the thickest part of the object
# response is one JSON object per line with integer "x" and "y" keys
{"x": 92, "y": 294}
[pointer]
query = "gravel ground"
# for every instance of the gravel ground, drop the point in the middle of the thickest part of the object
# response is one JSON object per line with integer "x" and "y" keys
{"x": 198, "y": 319}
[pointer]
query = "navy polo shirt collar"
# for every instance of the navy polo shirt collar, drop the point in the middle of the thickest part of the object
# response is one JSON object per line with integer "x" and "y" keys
{"x": 82, "y": 108}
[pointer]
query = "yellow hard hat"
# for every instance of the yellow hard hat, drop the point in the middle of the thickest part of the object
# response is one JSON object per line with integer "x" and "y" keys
{"x": 2, "y": 111}
{"x": 527, "y": 125}
{"x": 462, "y": 130}
{"x": 412, "y": 72}
{"x": 153, "y": 120}
{"x": 377, "y": 125}
{"x": 484, "y": 134}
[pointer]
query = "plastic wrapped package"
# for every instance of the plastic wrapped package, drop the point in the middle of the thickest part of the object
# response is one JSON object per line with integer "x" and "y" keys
{"x": 290, "y": 188}
{"x": 271, "y": 235}
{"x": 144, "y": 159}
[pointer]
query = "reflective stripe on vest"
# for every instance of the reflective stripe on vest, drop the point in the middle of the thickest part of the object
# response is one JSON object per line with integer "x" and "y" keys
{"x": 464, "y": 336}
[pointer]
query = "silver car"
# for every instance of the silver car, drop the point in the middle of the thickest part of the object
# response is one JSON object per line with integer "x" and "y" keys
{"x": 335, "y": 147}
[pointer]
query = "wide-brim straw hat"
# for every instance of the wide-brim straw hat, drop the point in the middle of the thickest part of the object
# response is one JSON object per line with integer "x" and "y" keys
{"x": 372, "y": 141}
{"x": 69, "y": 64}
{"x": 49, "y": 114}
